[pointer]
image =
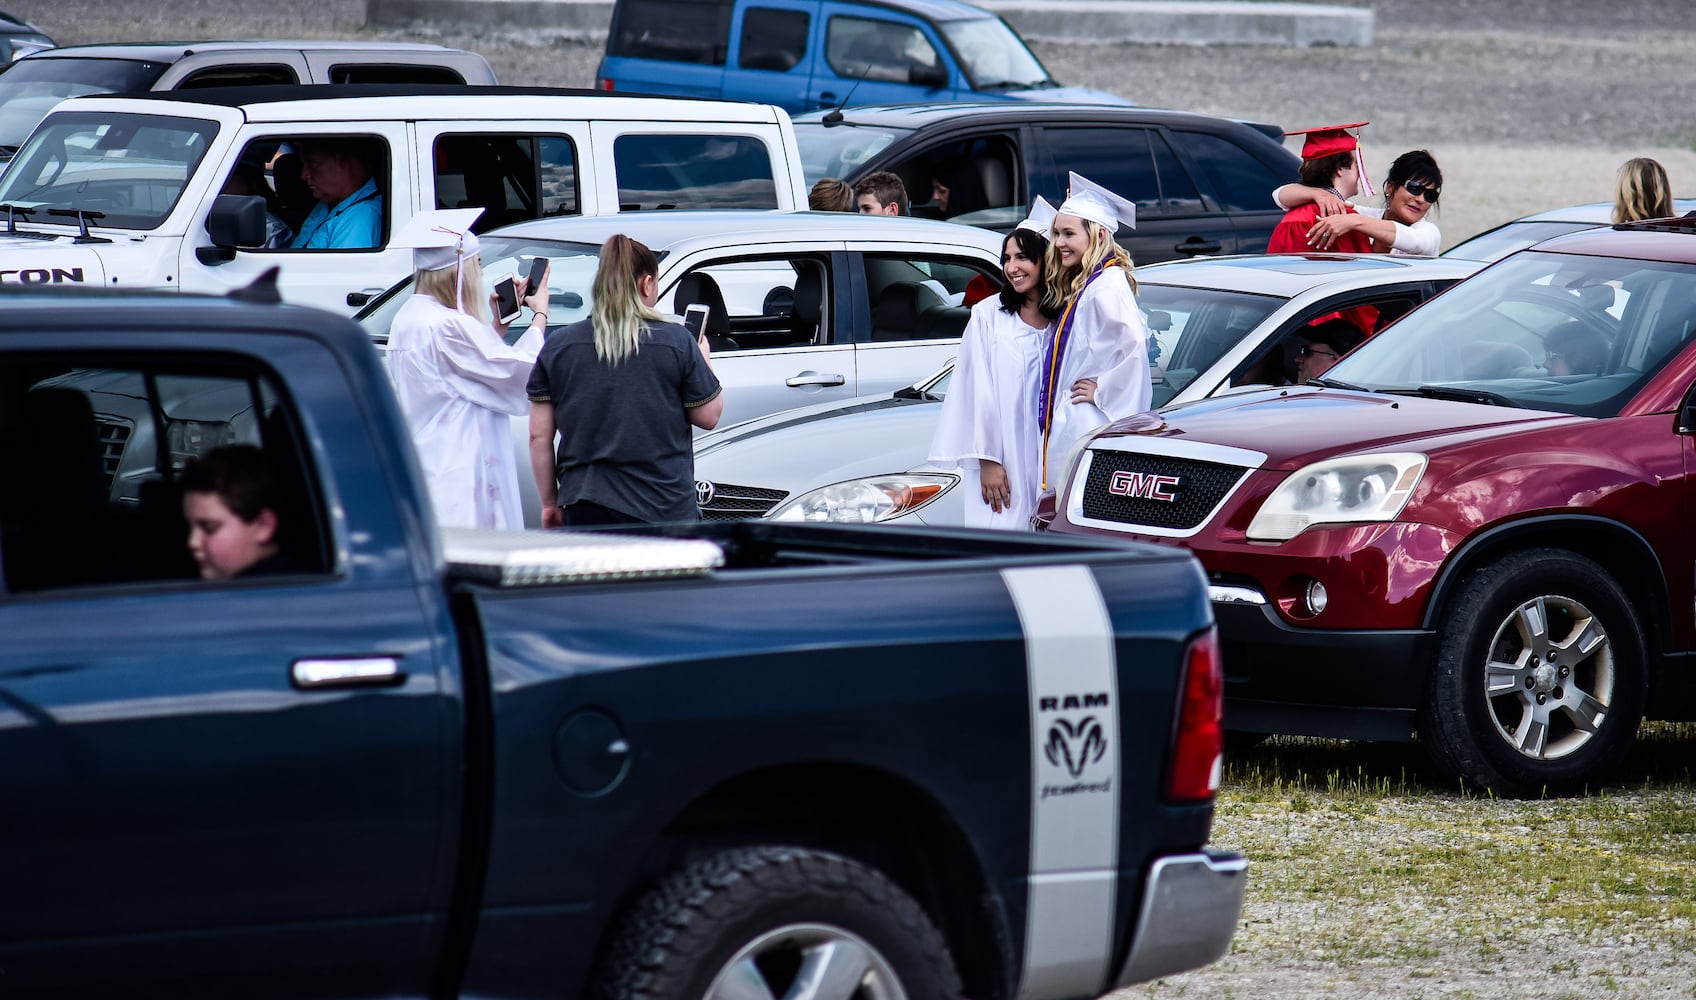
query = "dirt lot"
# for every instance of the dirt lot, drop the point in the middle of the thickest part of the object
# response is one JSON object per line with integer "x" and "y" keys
{"x": 1369, "y": 880}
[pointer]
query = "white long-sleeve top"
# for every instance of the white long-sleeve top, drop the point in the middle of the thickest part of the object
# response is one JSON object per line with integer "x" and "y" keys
{"x": 459, "y": 386}
{"x": 989, "y": 413}
{"x": 1109, "y": 343}
{"x": 1422, "y": 239}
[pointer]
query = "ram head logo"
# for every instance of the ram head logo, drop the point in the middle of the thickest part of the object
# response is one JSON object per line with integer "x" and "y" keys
{"x": 1075, "y": 747}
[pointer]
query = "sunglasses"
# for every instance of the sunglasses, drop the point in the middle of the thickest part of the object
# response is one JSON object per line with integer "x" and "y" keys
{"x": 1308, "y": 351}
{"x": 1425, "y": 191}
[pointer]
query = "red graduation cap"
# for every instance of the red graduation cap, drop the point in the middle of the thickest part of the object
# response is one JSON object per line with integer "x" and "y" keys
{"x": 1328, "y": 140}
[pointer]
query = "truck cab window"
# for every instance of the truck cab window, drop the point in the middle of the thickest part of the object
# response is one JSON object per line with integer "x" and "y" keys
{"x": 697, "y": 171}
{"x": 108, "y": 447}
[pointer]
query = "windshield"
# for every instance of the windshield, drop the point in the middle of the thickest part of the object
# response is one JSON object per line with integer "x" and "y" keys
{"x": 130, "y": 169}
{"x": 571, "y": 272}
{"x": 31, "y": 87}
{"x": 1191, "y": 329}
{"x": 839, "y": 150}
{"x": 993, "y": 57}
{"x": 1548, "y": 331}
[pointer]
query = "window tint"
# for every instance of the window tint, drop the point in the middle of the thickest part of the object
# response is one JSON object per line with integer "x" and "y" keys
{"x": 106, "y": 448}
{"x": 863, "y": 49}
{"x": 356, "y": 73}
{"x": 1177, "y": 190}
{"x": 1240, "y": 182}
{"x": 1118, "y": 159}
{"x": 760, "y": 302}
{"x": 692, "y": 31}
{"x": 511, "y": 177}
{"x": 918, "y": 298}
{"x": 693, "y": 171}
{"x": 239, "y": 76}
{"x": 981, "y": 174}
{"x": 773, "y": 39}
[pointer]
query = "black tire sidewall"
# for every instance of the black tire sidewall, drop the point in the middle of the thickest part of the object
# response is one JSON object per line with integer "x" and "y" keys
{"x": 1460, "y": 716}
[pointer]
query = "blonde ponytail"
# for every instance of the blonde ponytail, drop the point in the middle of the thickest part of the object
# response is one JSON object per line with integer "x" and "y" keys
{"x": 619, "y": 313}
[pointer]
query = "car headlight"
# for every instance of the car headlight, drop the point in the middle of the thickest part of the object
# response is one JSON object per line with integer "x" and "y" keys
{"x": 865, "y": 501}
{"x": 1339, "y": 491}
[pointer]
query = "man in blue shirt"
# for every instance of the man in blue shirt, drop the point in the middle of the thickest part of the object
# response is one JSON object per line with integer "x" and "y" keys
{"x": 349, "y": 213}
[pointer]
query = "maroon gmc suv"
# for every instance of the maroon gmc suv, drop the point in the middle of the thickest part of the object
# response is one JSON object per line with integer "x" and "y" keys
{"x": 1477, "y": 527}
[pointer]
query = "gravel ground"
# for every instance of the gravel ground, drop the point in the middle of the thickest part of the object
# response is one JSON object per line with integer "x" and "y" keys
{"x": 1528, "y": 104}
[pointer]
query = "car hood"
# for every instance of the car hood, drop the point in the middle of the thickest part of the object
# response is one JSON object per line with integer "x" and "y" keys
{"x": 1297, "y": 426}
{"x": 819, "y": 445}
{"x": 1066, "y": 95}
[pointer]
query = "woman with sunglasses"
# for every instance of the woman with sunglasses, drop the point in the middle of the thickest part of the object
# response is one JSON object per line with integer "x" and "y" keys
{"x": 1401, "y": 227}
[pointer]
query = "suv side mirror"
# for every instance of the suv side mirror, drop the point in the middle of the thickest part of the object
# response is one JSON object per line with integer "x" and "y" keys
{"x": 933, "y": 77}
{"x": 1687, "y": 417}
{"x": 236, "y": 220}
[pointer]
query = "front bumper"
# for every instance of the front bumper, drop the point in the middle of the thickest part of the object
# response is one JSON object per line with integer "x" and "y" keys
{"x": 1364, "y": 684}
{"x": 1190, "y": 907}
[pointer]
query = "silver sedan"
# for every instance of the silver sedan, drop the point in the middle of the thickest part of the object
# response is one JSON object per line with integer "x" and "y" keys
{"x": 1215, "y": 322}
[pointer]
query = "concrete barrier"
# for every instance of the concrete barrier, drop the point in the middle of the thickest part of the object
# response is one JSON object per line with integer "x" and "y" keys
{"x": 1188, "y": 22}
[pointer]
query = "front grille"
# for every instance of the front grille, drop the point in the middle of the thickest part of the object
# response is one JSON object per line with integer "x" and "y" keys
{"x": 1199, "y": 488}
{"x": 733, "y": 503}
{"x": 114, "y": 436}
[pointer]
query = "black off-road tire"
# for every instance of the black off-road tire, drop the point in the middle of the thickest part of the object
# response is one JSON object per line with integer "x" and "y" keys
{"x": 1474, "y": 735}
{"x": 677, "y": 938}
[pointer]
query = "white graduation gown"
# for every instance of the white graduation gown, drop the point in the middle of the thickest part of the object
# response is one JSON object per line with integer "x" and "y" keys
{"x": 990, "y": 413}
{"x": 459, "y": 385}
{"x": 1109, "y": 343}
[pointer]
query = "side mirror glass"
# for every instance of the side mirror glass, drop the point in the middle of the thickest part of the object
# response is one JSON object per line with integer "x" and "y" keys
{"x": 237, "y": 220}
{"x": 933, "y": 77}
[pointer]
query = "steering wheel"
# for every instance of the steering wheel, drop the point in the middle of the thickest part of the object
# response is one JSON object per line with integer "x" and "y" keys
{"x": 1569, "y": 306}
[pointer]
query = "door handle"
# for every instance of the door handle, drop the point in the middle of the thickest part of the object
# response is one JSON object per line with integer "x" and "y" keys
{"x": 357, "y": 671}
{"x": 1196, "y": 245}
{"x": 813, "y": 378}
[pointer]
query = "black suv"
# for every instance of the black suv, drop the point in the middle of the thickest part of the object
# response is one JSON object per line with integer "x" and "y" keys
{"x": 1202, "y": 185}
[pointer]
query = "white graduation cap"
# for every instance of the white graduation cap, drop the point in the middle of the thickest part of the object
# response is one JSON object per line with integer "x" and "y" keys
{"x": 1041, "y": 219}
{"x": 1086, "y": 199}
{"x": 441, "y": 239}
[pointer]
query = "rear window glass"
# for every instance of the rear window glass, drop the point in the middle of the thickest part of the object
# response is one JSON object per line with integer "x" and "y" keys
{"x": 773, "y": 39}
{"x": 691, "y": 31}
{"x": 693, "y": 171}
{"x": 1240, "y": 182}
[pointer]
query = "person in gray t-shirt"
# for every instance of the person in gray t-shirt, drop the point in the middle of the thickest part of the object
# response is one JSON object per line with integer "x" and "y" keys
{"x": 621, "y": 389}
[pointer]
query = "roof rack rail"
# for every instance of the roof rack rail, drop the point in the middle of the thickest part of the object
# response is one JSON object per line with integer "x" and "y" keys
{"x": 1685, "y": 223}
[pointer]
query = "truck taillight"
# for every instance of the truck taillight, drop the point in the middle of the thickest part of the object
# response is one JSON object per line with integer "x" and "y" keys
{"x": 1198, "y": 745}
{"x": 603, "y": 83}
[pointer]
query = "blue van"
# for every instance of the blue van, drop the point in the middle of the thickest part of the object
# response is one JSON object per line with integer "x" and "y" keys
{"x": 803, "y": 55}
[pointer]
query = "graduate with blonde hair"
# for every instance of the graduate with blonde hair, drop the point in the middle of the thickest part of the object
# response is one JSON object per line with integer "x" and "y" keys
{"x": 1095, "y": 365}
{"x": 458, "y": 381}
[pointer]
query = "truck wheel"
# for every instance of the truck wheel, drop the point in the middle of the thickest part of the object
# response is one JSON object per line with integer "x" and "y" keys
{"x": 1540, "y": 677}
{"x": 775, "y": 922}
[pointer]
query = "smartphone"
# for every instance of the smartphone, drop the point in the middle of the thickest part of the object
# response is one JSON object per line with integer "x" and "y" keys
{"x": 695, "y": 319}
{"x": 538, "y": 268}
{"x": 506, "y": 299}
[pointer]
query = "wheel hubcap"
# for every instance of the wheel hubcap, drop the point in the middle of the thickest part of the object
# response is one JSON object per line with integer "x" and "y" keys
{"x": 807, "y": 962}
{"x": 1550, "y": 677}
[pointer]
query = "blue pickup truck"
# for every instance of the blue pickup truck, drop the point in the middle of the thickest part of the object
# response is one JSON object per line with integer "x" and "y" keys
{"x": 803, "y": 55}
{"x": 695, "y": 760}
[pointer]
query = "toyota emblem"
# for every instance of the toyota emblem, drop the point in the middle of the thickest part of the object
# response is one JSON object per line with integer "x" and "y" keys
{"x": 704, "y": 492}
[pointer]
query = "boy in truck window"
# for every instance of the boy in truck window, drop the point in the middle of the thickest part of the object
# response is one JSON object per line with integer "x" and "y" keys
{"x": 230, "y": 502}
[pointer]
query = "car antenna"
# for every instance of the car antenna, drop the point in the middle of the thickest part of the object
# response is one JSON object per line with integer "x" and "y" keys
{"x": 263, "y": 289}
{"x": 834, "y": 115}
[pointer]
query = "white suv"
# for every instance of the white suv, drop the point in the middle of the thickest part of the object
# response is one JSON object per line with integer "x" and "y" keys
{"x": 125, "y": 191}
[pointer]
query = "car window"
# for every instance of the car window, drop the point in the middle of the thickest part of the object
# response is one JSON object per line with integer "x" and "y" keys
{"x": 1119, "y": 159}
{"x": 1190, "y": 329}
{"x": 861, "y": 48}
{"x": 29, "y": 88}
{"x": 513, "y": 178}
{"x": 1503, "y": 240}
{"x": 1240, "y": 182}
{"x": 106, "y": 447}
{"x": 239, "y": 76}
{"x": 993, "y": 56}
{"x": 396, "y": 73}
{"x": 1274, "y": 361}
{"x": 1564, "y": 332}
{"x": 980, "y": 173}
{"x": 693, "y": 171}
{"x": 129, "y": 168}
{"x": 1177, "y": 190}
{"x": 773, "y": 39}
{"x": 691, "y": 31}
{"x": 919, "y": 298}
{"x": 830, "y": 150}
{"x": 758, "y": 302}
{"x": 289, "y": 197}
